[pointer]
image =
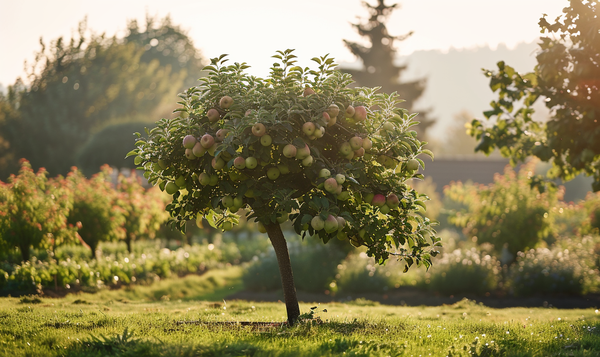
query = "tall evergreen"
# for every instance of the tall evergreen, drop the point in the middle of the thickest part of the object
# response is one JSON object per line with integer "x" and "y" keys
{"x": 379, "y": 69}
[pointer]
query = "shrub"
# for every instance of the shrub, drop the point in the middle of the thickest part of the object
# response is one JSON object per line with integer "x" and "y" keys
{"x": 507, "y": 213}
{"x": 465, "y": 271}
{"x": 359, "y": 274}
{"x": 545, "y": 271}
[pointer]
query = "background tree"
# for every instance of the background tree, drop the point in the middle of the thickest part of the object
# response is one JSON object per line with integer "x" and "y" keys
{"x": 33, "y": 211}
{"x": 77, "y": 87}
{"x": 299, "y": 145}
{"x": 95, "y": 211}
{"x": 379, "y": 69}
{"x": 567, "y": 78}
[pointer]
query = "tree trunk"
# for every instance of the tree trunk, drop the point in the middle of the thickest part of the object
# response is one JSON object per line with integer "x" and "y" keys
{"x": 285, "y": 270}
{"x": 128, "y": 242}
{"x": 24, "y": 247}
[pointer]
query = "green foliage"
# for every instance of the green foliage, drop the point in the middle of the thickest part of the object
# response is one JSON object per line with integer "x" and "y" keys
{"x": 507, "y": 213}
{"x": 314, "y": 269}
{"x": 115, "y": 269}
{"x": 33, "y": 211}
{"x": 278, "y": 103}
{"x": 107, "y": 147}
{"x": 467, "y": 271}
{"x": 567, "y": 77}
{"x": 79, "y": 86}
{"x": 143, "y": 210}
{"x": 95, "y": 212}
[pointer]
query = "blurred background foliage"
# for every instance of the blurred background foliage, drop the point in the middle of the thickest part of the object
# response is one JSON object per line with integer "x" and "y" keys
{"x": 79, "y": 88}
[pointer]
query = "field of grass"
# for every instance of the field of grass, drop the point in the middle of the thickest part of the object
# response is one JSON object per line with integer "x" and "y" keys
{"x": 185, "y": 317}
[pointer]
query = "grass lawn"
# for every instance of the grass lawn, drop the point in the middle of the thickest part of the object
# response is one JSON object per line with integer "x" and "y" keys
{"x": 180, "y": 317}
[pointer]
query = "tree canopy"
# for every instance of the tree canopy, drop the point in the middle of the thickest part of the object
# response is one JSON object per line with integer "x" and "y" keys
{"x": 300, "y": 145}
{"x": 567, "y": 79}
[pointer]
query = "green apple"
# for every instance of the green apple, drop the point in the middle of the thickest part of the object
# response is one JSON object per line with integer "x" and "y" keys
{"x": 345, "y": 149}
{"x": 324, "y": 173}
{"x": 385, "y": 209}
{"x": 238, "y": 201}
{"x": 251, "y": 162}
{"x": 317, "y": 223}
{"x": 333, "y": 110}
{"x": 204, "y": 179}
{"x": 214, "y": 179}
{"x": 283, "y": 169}
{"x": 171, "y": 187}
{"x": 307, "y": 161}
{"x": 273, "y": 173}
{"x": 217, "y": 163}
{"x": 282, "y": 218}
{"x": 190, "y": 154}
{"x": 227, "y": 201}
{"x": 227, "y": 226}
{"x": 198, "y": 150}
{"x": 266, "y": 140}
{"x": 180, "y": 181}
{"x": 367, "y": 144}
{"x": 303, "y": 153}
{"x": 369, "y": 198}
{"x": 330, "y": 224}
{"x": 388, "y": 126}
{"x": 163, "y": 164}
{"x": 341, "y": 223}
{"x": 261, "y": 228}
{"x": 412, "y": 164}
{"x": 340, "y": 179}
{"x": 342, "y": 235}
{"x": 259, "y": 129}
{"x": 343, "y": 196}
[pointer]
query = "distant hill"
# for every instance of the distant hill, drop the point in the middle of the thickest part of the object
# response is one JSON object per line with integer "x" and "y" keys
{"x": 455, "y": 82}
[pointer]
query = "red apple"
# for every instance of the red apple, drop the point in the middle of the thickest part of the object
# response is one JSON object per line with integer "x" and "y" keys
{"x": 332, "y": 121}
{"x": 360, "y": 113}
{"x": 189, "y": 141}
{"x": 222, "y": 134}
{"x": 392, "y": 200}
{"x": 226, "y": 102}
{"x": 289, "y": 151}
{"x": 259, "y": 129}
{"x": 326, "y": 117}
{"x": 199, "y": 150}
{"x": 308, "y": 128}
{"x": 239, "y": 163}
{"x": 207, "y": 141}
{"x": 360, "y": 152}
{"x": 330, "y": 185}
{"x": 303, "y": 153}
{"x": 356, "y": 142}
{"x": 333, "y": 110}
{"x": 378, "y": 200}
{"x": 213, "y": 115}
{"x": 349, "y": 113}
{"x": 367, "y": 144}
{"x": 308, "y": 91}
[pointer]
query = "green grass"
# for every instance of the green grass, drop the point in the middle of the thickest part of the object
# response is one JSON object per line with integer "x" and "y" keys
{"x": 179, "y": 317}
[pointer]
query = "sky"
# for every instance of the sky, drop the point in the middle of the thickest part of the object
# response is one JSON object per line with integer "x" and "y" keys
{"x": 252, "y": 30}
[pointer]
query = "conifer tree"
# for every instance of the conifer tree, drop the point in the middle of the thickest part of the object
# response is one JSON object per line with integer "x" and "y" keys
{"x": 379, "y": 69}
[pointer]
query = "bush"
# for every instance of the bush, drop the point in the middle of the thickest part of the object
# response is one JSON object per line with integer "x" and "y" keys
{"x": 465, "y": 271}
{"x": 314, "y": 268}
{"x": 507, "y": 213}
{"x": 556, "y": 271}
{"x": 359, "y": 274}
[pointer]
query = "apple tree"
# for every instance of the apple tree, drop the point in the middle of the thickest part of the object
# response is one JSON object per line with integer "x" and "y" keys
{"x": 567, "y": 78}
{"x": 299, "y": 145}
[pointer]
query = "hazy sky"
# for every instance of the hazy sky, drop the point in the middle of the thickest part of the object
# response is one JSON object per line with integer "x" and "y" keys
{"x": 252, "y": 30}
